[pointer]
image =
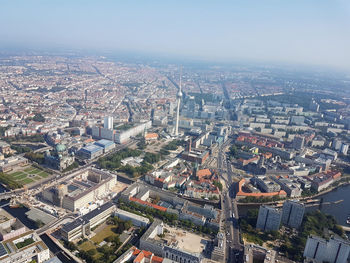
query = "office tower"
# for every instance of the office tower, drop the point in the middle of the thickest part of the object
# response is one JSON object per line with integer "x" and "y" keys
{"x": 336, "y": 250}
{"x": 269, "y": 218}
{"x": 108, "y": 123}
{"x": 292, "y": 213}
{"x": 179, "y": 96}
{"x": 298, "y": 142}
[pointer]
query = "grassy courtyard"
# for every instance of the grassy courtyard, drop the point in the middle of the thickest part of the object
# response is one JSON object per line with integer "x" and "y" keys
{"x": 103, "y": 233}
{"x": 28, "y": 175}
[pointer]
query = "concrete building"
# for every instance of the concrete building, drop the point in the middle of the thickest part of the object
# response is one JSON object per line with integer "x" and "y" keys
{"x": 297, "y": 120}
{"x": 254, "y": 253}
{"x": 195, "y": 155}
{"x": 269, "y": 218}
{"x": 137, "y": 220}
{"x": 329, "y": 154}
{"x": 344, "y": 148}
{"x": 336, "y": 144}
{"x": 165, "y": 248}
{"x": 85, "y": 187}
{"x": 292, "y": 213}
{"x": 298, "y": 142}
{"x": 108, "y": 123}
{"x": 82, "y": 226}
{"x": 318, "y": 141}
{"x": 90, "y": 151}
{"x": 267, "y": 185}
{"x": 24, "y": 248}
{"x": 168, "y": 202}
{"x": 103, "y": 133}
{"x": 135, "y": 255}
{"x": 5, "y": 148}
{"x": 335, "y": 250}
{"x": 9, "y": 163}
{"x": 124, "y": 136}
{"x": 106, "y": 145}
{"x": 10, "y": 227}
{"x": 218, "y": 253}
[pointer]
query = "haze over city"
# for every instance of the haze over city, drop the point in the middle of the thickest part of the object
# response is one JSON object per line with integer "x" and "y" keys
{"x": 175, "y": 131}
{"x": 308, "y": 32}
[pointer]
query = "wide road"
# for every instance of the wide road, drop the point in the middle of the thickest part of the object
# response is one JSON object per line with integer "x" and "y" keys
{"x": 234, "y": 248}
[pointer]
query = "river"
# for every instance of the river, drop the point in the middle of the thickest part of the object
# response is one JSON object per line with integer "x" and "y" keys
{"x": 17, "y": 212}
{"x": 340, "y": 211}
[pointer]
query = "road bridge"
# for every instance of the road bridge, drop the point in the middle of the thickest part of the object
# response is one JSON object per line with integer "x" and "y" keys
{"x": 7, "y": 195}
{"x": 346, "y": 228}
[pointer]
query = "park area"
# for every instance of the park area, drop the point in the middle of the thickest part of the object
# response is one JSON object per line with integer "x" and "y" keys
{"x": 28, "y": 175}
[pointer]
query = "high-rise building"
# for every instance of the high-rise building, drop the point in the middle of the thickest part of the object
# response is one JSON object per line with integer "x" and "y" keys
{"x": 269, "y": 218}
{"x": 108, "y": 123}
{"x": 314, "y": 106}
{"x": 335, "y": 250}
{"x": 179, "y": 96}
{"x": 336, "y": 144}
{"x": 292, "y": 213}
{"x": 298, "y": 142}
{"x": 344, "y": 148}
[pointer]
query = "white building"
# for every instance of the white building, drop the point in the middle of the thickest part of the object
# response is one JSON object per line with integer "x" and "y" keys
{"x": 24, "y": 248}
{"x": 108, "y": 123}
{"x": 135, "y": 219}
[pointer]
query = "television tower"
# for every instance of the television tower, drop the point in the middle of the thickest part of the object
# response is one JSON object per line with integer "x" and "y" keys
{"x": 178, "y": 96}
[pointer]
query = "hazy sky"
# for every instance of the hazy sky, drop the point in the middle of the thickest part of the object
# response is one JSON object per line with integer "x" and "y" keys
{"x": 306, "y": 31}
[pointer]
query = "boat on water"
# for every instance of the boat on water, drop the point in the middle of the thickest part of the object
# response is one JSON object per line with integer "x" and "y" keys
{"x": 348, "y": 220}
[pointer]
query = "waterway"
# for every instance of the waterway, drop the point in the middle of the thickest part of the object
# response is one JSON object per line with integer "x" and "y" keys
{"x": 17, "y": 212}
{"x": 340, "y": 210}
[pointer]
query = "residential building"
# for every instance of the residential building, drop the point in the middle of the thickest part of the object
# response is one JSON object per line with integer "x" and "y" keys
{"x": 298, "y": 142}
{"x": 269, "y": 218}
{"x": 292, "y": 213}
{"x": 335, "y": 250}
{"x": 344, "y": 148}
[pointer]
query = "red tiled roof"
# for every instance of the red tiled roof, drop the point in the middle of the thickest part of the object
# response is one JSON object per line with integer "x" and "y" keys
{"x": 203, "y": 172}
{"x": 139, "y": 257}
{"x": 156, "y": 259}
{"x": 158, "y": 207}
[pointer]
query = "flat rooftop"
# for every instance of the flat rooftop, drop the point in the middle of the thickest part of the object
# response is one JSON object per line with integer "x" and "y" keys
{"x": 184, "y": 240}
{"x": 4, "y": 216}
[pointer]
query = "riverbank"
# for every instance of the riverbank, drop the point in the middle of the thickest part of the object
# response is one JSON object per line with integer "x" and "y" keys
{"x": 300, "y": 198}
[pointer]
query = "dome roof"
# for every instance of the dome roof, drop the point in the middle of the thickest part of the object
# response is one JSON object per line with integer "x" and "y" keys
{"x": 60, "y": 147}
